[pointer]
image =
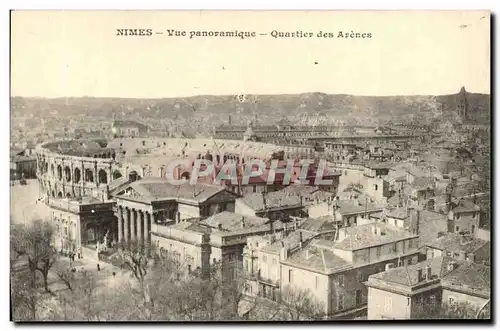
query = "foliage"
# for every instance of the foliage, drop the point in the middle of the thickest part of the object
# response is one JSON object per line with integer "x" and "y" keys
{"x": 444, "y": 311}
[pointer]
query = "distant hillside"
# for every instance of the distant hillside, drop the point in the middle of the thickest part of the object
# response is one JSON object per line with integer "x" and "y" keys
{"x": 203, "y": 112}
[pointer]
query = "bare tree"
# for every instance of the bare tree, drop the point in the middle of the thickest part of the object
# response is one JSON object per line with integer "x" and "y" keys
{"x": 299, "y": 304}
{"x": 35, "y": 242}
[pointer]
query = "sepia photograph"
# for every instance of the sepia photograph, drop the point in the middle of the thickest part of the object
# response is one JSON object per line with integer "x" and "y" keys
{"x": 250, "y": 166}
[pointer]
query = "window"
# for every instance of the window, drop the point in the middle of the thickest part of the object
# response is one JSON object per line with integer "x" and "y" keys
{"x": 359, "y": 297}
{"x": 379, "y": 251}
{"x": 340, "y": 303}
{"x": 340, "y": 280}
{"x": 395, "y": 247}
{"x": 410, "y": 243}
{"x": 388, "y": 304}
{"x": 458, "y": 217}
{"x": 432, "y": 300}
{"x": 254, "y": 188}
{"x": 360, "y": 276}
{"x": 290, "y": 276}
{"x": 457, "y": 228}
{"x": 375, "y": 187}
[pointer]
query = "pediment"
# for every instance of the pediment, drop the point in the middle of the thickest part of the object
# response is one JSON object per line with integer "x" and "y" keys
{"x": 223, "y": 196}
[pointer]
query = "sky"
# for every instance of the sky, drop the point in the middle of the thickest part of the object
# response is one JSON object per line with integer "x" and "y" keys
{"x": 77, "y": 53}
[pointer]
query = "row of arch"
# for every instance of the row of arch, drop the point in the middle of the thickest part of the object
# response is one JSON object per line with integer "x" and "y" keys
{"x": 75, "y": 176}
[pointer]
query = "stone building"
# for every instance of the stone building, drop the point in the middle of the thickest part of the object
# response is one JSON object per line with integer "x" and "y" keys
{"x": 83, "y": 225}
{"x": 406, "y": 292}
{"x": 400, "y": 293}
{"x": 219, "y": 238}
{"x": 129, "y": 129}
{"x": 145, "y": 202}
{"x": 461, "y": 247}
{"x": 464, "y": 217}
{"x": 272, "y": 205}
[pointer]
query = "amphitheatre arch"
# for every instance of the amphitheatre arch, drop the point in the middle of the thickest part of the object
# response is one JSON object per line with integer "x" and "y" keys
{"x": 89, "y": 175}
{"x": 102, "y": 176}
{"x": 77, "y": 175}
{"x": 67, "y": 173}
{"x": 133, "y": 176}
{"x": 68, "y": 195}
{"x": 185, "y": 175}
{"x": 116, "y": 174}
{"x": 59, "y": 172}
{"x": 59, "y": 195}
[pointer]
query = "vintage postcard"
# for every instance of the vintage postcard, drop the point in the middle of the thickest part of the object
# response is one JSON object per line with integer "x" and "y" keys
{"x": 250, "y": 165}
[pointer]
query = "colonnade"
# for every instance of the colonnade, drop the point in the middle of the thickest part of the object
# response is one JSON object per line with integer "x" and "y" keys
{"x": 134, "y": 225}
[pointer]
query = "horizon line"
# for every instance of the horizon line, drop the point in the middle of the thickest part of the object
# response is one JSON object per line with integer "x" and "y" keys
{"x": 249, "y": 94}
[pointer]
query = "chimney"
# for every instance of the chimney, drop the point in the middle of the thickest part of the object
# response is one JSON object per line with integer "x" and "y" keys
{"x": 417, "y": 225}
{"x": 300, "y": 238}
{"x": 283, "y": 252}
{"x": 428, "y": 274}
{"x": 419, "y": 275}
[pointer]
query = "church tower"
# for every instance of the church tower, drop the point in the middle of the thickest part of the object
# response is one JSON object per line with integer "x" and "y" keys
{"x": 462, "y": 105}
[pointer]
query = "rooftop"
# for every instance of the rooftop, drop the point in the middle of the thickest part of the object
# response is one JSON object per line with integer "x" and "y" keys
{"x": 466, "y": 206}
{"x": 273, "y": 200}
{"x": 291, "y": 242}
{"x": 408, "y": 276}
{"x": 370, "y": 235}
{"x": 470, "y": 277}
{"x": 230, "y": 222}
{"x": 162, "y": 189}
{"x": 317, "y": 258}
{"x": 453, "y": 242}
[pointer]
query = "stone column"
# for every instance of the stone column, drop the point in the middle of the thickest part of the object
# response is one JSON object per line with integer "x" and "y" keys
{"x": 120, "y": 224}
{"x": 133, "y": 220}
{"x": 140, "y": 218}
{"x": 147, "y": 226}
{"x": 126, "y": 224}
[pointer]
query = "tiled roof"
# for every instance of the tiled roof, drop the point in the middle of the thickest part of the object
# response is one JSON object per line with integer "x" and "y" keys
{"x": 408, "y": 275}
{"x": 347, "y": 207}
{"x": 321, "y": 224}
{"x": 314, "y": 257}
{"x": 469, "y": 276}
{"x": 291, "y": 242}
{"x": 431, "y": 224}
{"x": 465, "y": 206}
{"x": 231, "y": 221}
{"x": 273, "y": 200}
{"x": 158, "y": 188}
{"x": 401, "y": 213}
{"x": 362, "y": 236}
{"x": 457, "y": 243}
